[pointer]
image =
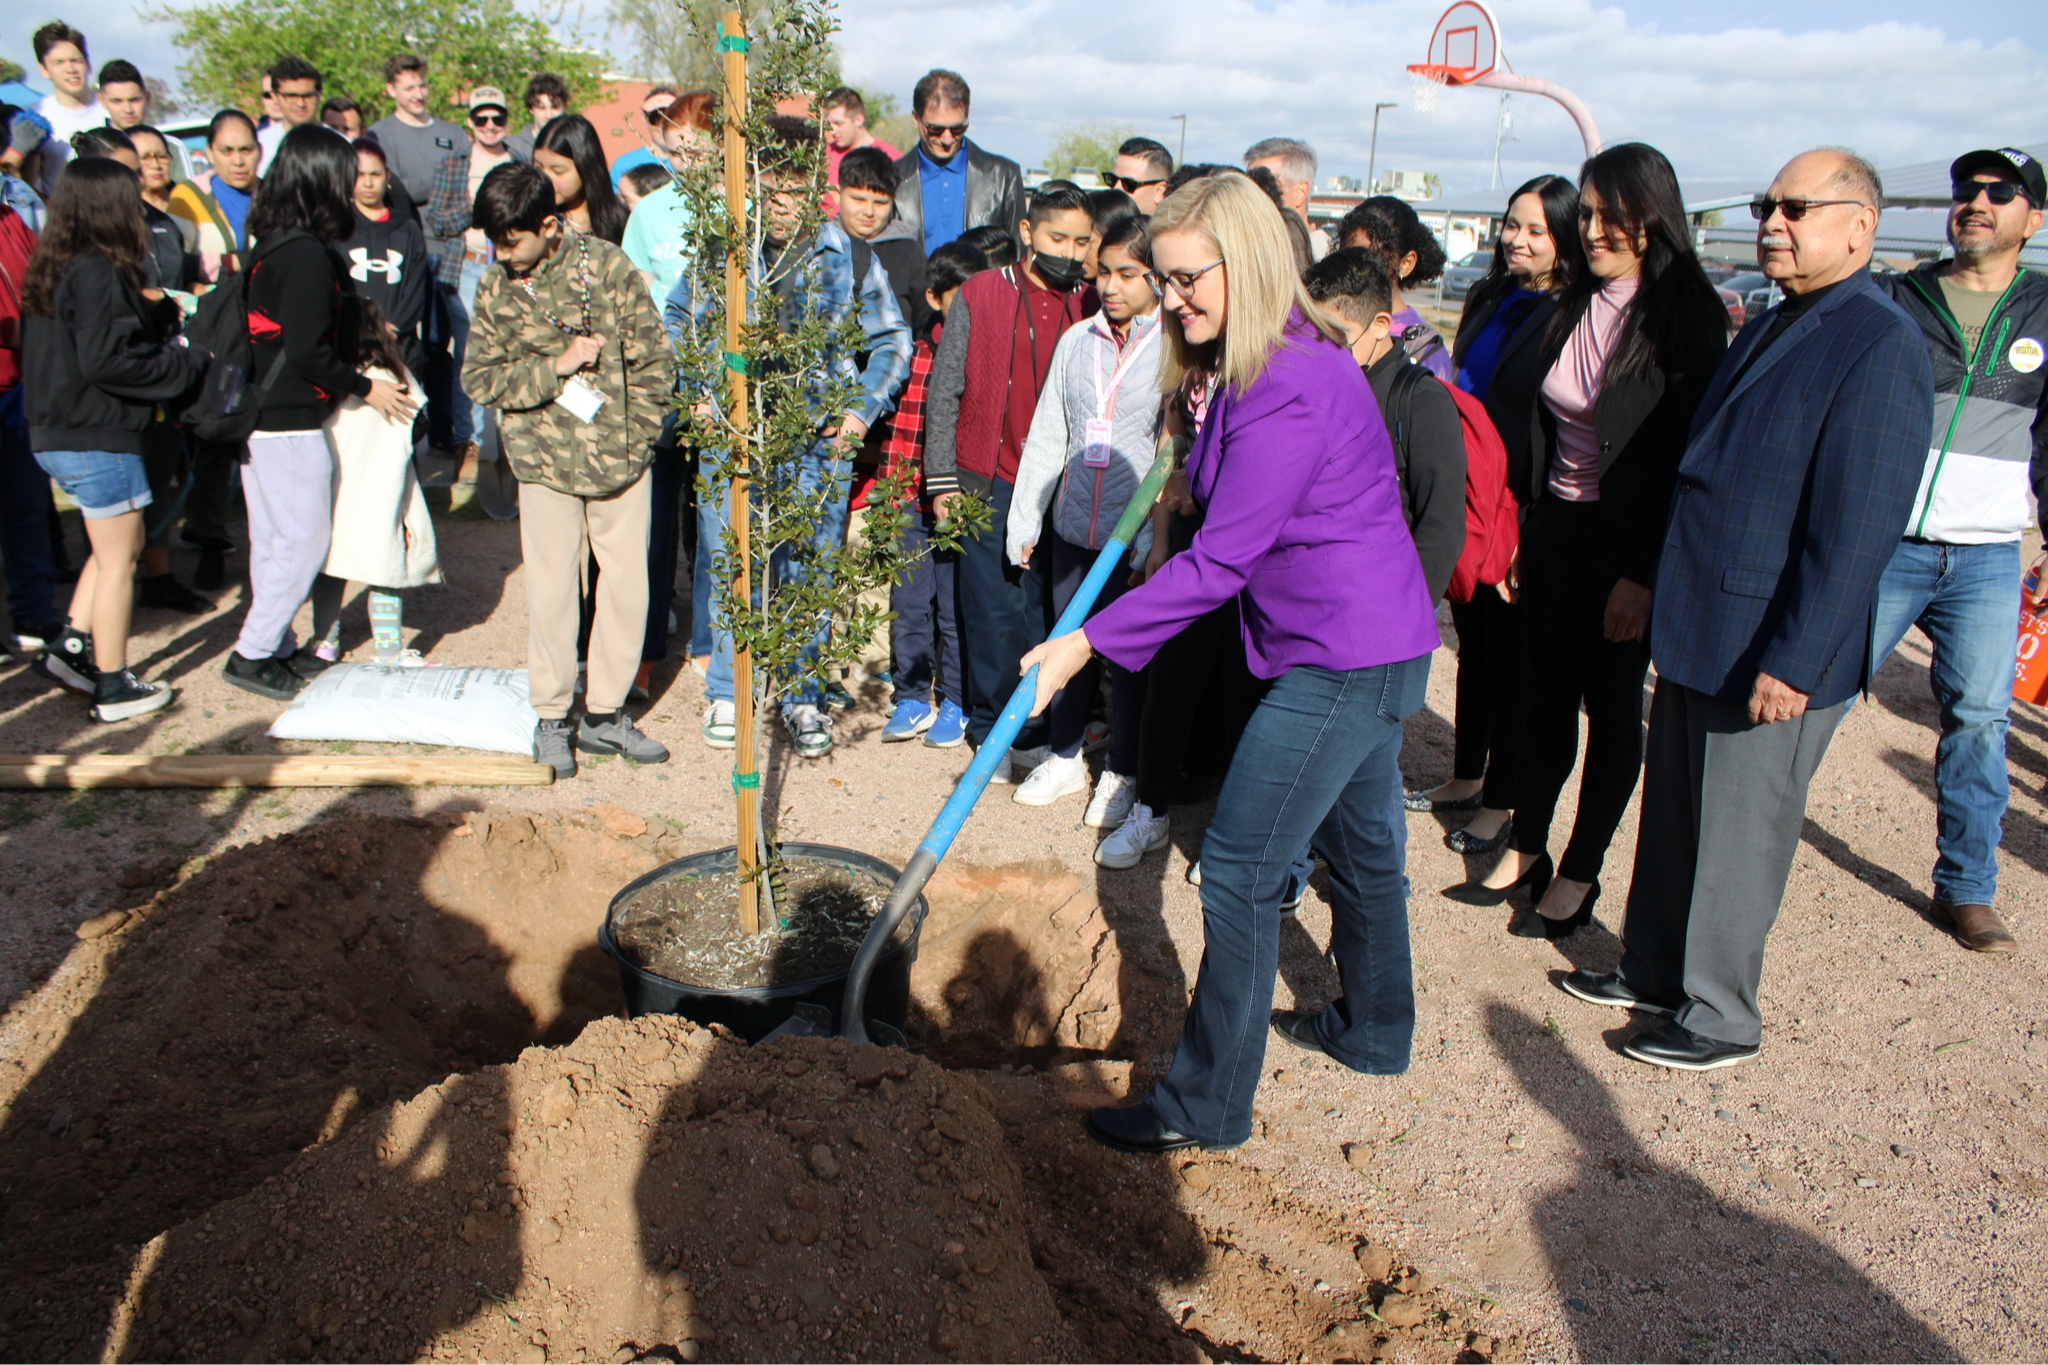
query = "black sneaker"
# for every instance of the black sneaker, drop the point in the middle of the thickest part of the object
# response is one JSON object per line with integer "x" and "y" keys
{"x": 265, "y": 677}
{"x": 29, "y": 641}
{"x": 118, "y": 696}
{"x": 212, "y": 573}
{"x": 308, "y": 665}
{"x": 67, "y": 662}
{"x": 165, "y": 591}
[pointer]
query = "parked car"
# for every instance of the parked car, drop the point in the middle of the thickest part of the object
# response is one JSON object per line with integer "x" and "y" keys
{"x": 1459, "y": 278}
{"x": 1732, "y": 301}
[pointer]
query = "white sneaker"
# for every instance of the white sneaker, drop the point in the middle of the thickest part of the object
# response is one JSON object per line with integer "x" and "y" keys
{"x": 1019, "y": 764}
{"x": 1111, "y": 804}
{"x": 721, "y": 725}
{"x": 1142, "y": 833}
{"x": 1053, "y": 779}
{"x": 1195, "y": 872}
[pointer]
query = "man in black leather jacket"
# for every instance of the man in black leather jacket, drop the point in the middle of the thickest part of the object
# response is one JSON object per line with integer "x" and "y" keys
{"x": 946, "y": 183}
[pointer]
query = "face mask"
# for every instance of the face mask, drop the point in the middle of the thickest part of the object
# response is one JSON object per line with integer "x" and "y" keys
{"x": 1061, "y": 272}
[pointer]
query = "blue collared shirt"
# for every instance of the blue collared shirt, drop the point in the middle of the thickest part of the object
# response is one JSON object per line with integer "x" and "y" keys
{"x": 944, "y": 190}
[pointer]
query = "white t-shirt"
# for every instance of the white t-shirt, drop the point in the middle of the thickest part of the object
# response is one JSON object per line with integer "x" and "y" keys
{"x": 64, "y": 120}
{"x": 267, "y": 138}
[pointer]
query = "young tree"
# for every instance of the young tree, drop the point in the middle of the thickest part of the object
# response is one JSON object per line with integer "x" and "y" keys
{"x": 230, "y": 43}
{"x": 668, "y": 37}
{"x": 1085, "y": 147}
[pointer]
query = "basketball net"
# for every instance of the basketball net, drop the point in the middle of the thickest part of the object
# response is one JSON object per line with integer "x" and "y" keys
{"x": 1427, "y": 83}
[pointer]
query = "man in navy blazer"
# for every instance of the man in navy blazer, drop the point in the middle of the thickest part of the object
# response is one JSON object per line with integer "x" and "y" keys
{"x": 1802, "y": 464}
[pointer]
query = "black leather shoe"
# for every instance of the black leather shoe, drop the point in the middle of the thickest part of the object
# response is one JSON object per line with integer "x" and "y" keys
{"x": 1536, "y": 924}
{"x": 1607, "y": 988}
{"x": 1423, "y": 801}
{"x": 1676, "y": 1046}
{"x": 1463, "y": 841}
{"x": 1299, "y": 1028}
{"x": 1134, "y": 1128}
{"x": 1537, "y": 879}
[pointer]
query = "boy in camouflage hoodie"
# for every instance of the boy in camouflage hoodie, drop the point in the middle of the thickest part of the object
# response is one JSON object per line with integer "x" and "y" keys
{"x": 569, "y": 349}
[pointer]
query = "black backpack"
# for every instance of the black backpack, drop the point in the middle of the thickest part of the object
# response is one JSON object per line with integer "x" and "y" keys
{"x": 228, "y": 404}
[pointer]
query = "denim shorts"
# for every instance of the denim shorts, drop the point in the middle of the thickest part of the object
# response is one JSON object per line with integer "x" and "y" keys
{"x": 103, "y": 483}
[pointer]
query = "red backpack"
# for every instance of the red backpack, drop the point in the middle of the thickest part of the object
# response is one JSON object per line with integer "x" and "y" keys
{"x": 1492, "y": 516}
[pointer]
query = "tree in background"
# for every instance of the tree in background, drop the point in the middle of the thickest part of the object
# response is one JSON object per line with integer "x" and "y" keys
{"x": 666, "y": 37}
{"x": 10, "y": 70}
{"x": 230, "y": 43}
{"x": 1085, "y": 147}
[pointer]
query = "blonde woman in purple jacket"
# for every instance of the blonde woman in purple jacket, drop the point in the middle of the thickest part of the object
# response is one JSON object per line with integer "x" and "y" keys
{"x": 1294, "y": 473}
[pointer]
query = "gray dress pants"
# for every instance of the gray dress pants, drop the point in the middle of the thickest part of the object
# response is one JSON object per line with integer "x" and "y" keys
{"x": 1723, "y": 803}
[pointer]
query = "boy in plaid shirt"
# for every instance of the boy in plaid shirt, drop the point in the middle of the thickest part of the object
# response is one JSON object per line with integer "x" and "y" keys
{"x": 929, "y": 684}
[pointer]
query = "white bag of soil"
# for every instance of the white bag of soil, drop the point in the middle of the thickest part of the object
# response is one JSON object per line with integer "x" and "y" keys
{"x": 464, "y": 708}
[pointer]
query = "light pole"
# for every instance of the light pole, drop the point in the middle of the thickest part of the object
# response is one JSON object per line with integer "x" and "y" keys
{"x": 1181, "y": 156}
{"x": 1373, "y": 157}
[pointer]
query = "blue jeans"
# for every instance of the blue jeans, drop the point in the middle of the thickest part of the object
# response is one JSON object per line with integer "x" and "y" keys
{"x": 458, "y": 420}
{"x": 1965, "y": 597}
{"x": 24, "y": 521}
{"x": 924, "y": 639}
{"x": 1318, "y": 763}
{"x": 824, "y": 474}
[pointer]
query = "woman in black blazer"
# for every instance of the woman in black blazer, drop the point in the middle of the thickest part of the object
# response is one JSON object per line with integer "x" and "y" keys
{"x": 1625, "y": 362}
{"x": 1499, "y": 359}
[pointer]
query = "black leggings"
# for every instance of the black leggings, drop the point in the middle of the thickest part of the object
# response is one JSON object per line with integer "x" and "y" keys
{"x": 1568, "y": 569}
{"x": 1493, "y": 677}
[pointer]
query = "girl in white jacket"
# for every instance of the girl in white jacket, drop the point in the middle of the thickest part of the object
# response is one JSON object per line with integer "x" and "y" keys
{"x": 383, "y": 536}
{"x": 1092, "y": 439}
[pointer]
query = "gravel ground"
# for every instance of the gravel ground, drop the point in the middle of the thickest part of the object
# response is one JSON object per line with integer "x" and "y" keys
{"x": 1823, "y": 1203}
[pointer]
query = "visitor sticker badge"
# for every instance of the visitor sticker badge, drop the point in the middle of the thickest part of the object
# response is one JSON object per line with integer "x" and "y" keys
{"x": 1096, "y": 450}
{"x": 2026, "y": 355}
{"x": 580, "y": 399}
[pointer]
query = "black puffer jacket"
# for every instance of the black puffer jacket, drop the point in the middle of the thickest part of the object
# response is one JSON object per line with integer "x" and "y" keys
{"x": 105, "y": 367}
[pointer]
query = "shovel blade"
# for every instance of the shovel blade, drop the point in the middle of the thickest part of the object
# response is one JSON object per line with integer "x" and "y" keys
{"x": 809, "y": 1021}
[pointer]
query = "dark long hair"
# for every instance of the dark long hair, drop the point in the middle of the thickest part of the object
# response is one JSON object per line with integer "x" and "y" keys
{"x": 1677, "y": 323}
{"x": 1560, "y": 200}
{"x": 374, "y": 347}
{"x": 95, "y": 211}
{"x": 572, "y": 136}
{"x": 310, "y": 187}
{"x": 1429, "y": 252}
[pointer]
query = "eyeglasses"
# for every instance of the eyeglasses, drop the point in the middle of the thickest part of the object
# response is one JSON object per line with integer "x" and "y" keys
{"x": 297, "y": 96}
{"x": 164, "y": 157}
{"x": 1999, "y": 192}
{"x": 1762, "y": 207}
{"x": 944, "y": 130}
{"x": 1127, "y": 184}
{"x": 1182, "y": 281}
{"x": 488, "y": 120}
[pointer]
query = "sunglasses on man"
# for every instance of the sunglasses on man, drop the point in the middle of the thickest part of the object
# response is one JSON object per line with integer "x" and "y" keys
{"x": 1127, "y": 184}
{"x": 1763, "y": 206}
{"x": 488, "y": 120}
{"x": 1999, "y": 192}
{"x": 944, "y": 130}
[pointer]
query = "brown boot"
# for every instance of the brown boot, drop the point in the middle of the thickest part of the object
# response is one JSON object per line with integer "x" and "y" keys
{"x": 1978, "y": 928}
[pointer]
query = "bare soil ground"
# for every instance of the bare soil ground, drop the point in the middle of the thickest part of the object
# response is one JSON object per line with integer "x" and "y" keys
{"x": 332, "y": 1075}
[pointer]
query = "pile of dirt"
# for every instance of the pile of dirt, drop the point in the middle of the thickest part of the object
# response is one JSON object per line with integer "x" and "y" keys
{"x": 351, "y": 1094}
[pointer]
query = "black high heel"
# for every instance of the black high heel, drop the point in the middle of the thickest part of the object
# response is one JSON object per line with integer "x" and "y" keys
{"x": 1554, "y": 929}
{"x": 1537, "y": 879}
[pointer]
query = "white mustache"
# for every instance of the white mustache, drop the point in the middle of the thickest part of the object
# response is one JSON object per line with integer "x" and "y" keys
{"x": 1773, "y": 240}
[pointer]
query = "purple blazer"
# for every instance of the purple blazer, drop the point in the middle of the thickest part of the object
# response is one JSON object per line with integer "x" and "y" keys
{"x": 1302, "y": 524}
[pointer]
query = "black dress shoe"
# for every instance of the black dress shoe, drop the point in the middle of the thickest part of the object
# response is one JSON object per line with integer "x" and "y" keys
{"x": 1423, "y": 801}
{"x": 1607, "y": 988}
{"x": 1465, "y": 842}
{"x": 1536, "y": 924}
{"x": 1299, "y": 1028}
{"x": 1676, "y": 1046}
{"x": 1537, "y": 879}
{"x": 1135, "y": 1128}
{"x": 165, "y": 591}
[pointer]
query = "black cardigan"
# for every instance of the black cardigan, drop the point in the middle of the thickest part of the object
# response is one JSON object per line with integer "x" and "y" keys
{"x": 103, "y": 369}
{"x": 1516, "y": 390}
{"x": 300, "y": 302}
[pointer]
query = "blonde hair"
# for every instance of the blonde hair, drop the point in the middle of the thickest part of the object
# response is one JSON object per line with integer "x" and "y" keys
{"x": 1239, "y": 220}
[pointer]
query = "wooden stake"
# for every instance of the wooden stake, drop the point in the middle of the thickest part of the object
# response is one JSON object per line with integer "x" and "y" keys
{"x": 746, "y": 773}
{"x": 277, "y": 770}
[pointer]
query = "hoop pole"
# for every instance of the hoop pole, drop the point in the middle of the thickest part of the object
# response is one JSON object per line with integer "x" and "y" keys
{"x": 1531, "y": 85}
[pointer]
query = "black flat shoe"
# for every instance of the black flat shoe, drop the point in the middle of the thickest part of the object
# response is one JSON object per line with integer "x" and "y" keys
{"x": 1299, "y": 1028}
{"x": 1546, "y": 927}
{"x": 1424, "y": 802}
{"x": 1537, "y": 879}
{"x": 1463, "y": 841}
{"x": 1134, "y": 1128}
{"x": 1678, "y": 1047}
{"x": 1607, "y": 988}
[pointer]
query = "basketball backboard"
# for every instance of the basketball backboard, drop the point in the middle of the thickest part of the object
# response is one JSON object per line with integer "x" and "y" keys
{"x": 1466, "y": 43}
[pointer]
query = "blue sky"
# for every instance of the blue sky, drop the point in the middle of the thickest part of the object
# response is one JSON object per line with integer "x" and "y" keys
{"x": 1727, "y": 89}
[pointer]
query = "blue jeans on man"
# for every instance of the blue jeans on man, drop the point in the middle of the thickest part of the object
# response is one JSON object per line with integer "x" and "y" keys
{"x": 1319, "y": 763}
{"x": 825, "y": 474}
{"x": 458, "y": 420}
{"x": 1966, "y": 599}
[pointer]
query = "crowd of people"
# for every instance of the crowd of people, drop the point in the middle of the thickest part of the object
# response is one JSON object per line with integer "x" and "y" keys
{"x": 1587, "y": 473}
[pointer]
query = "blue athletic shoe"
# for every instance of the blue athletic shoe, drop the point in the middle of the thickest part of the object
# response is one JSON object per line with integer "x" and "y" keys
{"x": 910, "y": 719}
{"x": 949, "y": 729}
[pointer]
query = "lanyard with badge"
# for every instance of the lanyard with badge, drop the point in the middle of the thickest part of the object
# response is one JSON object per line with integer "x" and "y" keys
{"x": 578, "y": 397}
{"x": 1098, "y": 447}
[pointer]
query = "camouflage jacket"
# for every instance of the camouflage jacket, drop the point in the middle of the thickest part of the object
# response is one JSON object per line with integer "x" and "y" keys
{"x": 513, "y": 342}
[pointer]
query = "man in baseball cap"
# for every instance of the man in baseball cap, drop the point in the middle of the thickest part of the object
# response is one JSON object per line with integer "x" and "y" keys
{"x": 1986, "y": 326}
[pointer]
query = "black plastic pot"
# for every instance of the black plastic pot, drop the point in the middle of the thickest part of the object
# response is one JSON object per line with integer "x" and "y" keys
{"x": 755, "y": 1012}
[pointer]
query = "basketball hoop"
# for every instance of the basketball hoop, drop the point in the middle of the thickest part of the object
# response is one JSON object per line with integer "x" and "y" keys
{"x": 1465, "y": 49}
{"x": 1428, "y": 81}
